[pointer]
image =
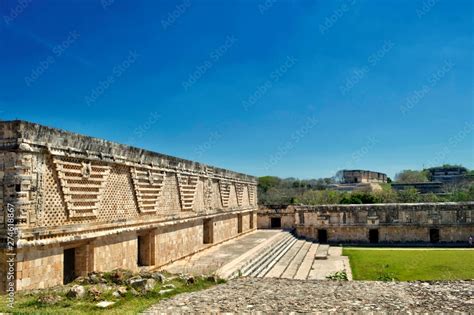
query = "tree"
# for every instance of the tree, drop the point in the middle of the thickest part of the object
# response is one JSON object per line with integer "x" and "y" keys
{"x": 411, "y": 176}
{"x": 267, "y": 182}
{"x": 408, "y": 195}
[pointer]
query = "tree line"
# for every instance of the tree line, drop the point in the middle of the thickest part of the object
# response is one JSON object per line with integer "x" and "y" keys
{"x": 273, "y": 190}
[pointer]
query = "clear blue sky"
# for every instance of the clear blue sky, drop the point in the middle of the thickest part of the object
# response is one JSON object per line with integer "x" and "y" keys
{"x": 287, "y": 88}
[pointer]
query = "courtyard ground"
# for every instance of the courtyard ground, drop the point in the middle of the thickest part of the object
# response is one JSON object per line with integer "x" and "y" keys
{"x": 271, "y": 296}
{"x": 411, "y": 264}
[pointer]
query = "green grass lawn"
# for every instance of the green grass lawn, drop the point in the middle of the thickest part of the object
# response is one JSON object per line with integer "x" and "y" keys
{"x": 406, "y": 265}
{"x": 26, "y": 303}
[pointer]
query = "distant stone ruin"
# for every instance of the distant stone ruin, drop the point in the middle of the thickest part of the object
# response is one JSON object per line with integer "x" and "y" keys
{"x": 73, "y": 204}
{"x": 424, "y": 223}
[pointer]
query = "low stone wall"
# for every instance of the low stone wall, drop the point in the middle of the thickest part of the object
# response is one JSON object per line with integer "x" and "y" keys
{"x": 377, "y": 223}
{"x": 283, "y": 215}
{"x": 84, "y": 204}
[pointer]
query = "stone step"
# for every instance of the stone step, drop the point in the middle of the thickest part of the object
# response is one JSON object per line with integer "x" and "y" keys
{"x": 263, "y": 257}
{"x": 296, "y": 262}
{"x": 234, "y": 268}
{"x": 253, "y": 262}
{"x": 322, "y": 252}
{"x": 268, "y": 257}
{"x": 276, "y": 257}
{"x": 305, "y": 268}
{"x": 283, "y": 263}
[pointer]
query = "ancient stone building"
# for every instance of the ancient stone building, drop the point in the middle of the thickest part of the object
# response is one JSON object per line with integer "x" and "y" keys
{"x": 82, "y": 204}
{"x": 361, "y": 176}
{"x": 376, "y": 223}
{"x": 448, "y": 174}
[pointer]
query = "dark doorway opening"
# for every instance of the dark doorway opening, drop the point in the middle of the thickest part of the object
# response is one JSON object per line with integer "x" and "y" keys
{"x": 434, "y": 235}
{"x": 146, "y": 249}
{"x": 251, "y": 220}
{"x": 275, "y": 223}
{"x": 239, "y": 223}
{"x": 208, "y": 235}
{"x": 374, "y": 236}
{"x": 322, "y": 236}
{"x": 142, "y": 251}
{"x": 69, "y": 265}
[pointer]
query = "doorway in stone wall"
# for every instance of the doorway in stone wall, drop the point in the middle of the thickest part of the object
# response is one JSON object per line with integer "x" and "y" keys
{"x": 434, "y": 235}
{"x": 239, "y": 223}
{"x": 208, "y": 231}
{"x": 322, "y": 236}
{"x": 145, "y": 249}
{"x": 69, "y": 265}
{"x": 251, "y": 220}
{"x": 373, "y": 236}
{"x": 275, "y": 223}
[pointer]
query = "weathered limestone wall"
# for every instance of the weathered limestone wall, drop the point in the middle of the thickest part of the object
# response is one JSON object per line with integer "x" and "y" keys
{"x": 246, "y": 222}
{"x": 392, "y": 223}
{"x": 110, "y": 202}
{"x": 117, "y": 251}
{"x": 287, "y": 216}
{"x": 175, "y": 241}
{"x": 225, "y": 227}
{"x": 39, "y": 268}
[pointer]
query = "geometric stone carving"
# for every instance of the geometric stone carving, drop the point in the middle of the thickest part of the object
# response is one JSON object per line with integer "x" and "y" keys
{"x": 82, "y": 184}
{"x": 239, "y": 188}
{"x": 187, "y": 190}
{"x": 208, "y": 193}
{"x": 373, "y": 220}
{"x": 148, "y": 184}
{"x": 251, "y": 190}
{"x": 224, "y": 188}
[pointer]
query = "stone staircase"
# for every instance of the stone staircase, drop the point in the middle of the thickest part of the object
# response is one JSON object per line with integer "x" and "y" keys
{"x": 283, "y": 256}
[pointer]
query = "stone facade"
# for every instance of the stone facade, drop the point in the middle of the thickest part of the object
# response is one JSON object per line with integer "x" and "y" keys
{"x": 376, "y": 223}
{"x": 83, "y": 204}
{"x": 362, "y": 176}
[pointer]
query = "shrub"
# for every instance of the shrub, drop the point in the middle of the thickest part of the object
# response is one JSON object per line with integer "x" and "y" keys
{"x": 338, "y": 276}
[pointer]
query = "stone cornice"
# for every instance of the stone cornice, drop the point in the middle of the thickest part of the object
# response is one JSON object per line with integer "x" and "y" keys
{"x": 26, "y": 136}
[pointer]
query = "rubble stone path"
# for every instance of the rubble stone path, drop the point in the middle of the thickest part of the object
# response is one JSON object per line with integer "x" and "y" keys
{"x": 268, "y": 295}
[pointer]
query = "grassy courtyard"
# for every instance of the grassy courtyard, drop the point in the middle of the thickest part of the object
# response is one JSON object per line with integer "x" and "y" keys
{"x": 410, "y": 264}
{"x": 41, "y": 302}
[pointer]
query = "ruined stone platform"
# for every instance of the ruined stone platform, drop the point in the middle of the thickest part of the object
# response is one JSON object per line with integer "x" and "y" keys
{"x": 210, "y": 260}
{"x": 266, "y": 254}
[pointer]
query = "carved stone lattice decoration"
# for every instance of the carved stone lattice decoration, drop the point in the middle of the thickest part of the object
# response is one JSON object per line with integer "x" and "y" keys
{"x": 224, "y": 187}
{"x": 251, "y": 190}
{"x": 82, "y": 184}
{"x": 239, "y": 189}
{"x": 187, "y": 190}
{"x": 208, "y": 192}
{"x": 148, "y": 184}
